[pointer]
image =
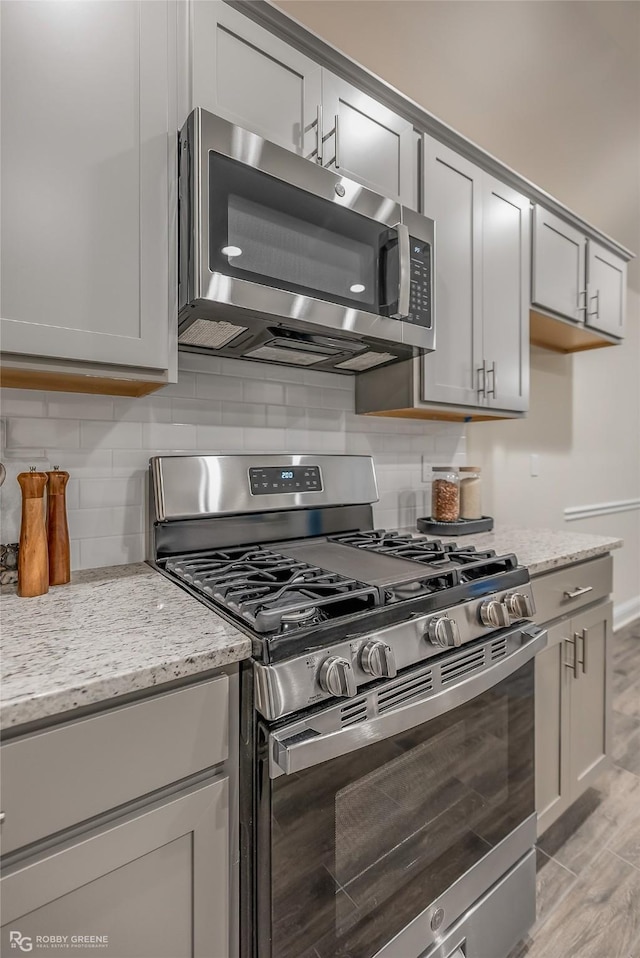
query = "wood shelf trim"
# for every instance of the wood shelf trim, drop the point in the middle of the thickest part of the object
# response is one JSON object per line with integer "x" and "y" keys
{"x": 75, "y": 382}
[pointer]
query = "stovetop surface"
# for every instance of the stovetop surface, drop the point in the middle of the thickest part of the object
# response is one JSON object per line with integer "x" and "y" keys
{"x": 300, "y": 595}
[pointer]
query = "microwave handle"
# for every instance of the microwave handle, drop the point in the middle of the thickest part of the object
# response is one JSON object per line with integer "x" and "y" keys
{"x": 289, "y": 754}
{"x": 404, "y": 271}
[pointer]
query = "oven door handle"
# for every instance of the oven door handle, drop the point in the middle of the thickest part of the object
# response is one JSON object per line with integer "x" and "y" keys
{"x": 291, "y": 751}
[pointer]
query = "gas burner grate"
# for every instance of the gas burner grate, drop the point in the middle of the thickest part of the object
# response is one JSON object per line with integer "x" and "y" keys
{"x": 272, "y": 592}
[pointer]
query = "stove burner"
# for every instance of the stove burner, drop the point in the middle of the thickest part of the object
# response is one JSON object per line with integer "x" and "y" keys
{"x": 301, "y": 618}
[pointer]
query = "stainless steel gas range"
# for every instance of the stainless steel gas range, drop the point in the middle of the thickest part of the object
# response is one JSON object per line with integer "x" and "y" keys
{"x": 387, "y": 713}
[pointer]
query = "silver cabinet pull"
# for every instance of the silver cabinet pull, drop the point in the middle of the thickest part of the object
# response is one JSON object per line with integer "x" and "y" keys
{"x": 578, "y": 591}
{"x": 595, "y": 312}
{"x": 573, "y": 665}
{"x": 582, "y": 294}
{"x": 2, "y": 817}
{"x": 492, "y": 372}
{"x": 583, "y": 635}
{"x": 337, "y": 143}
{"x": 482, "y": 373}
{"x": 319, "y": 157}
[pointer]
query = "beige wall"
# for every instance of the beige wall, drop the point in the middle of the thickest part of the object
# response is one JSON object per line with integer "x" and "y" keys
{"x": 553, "y": 90}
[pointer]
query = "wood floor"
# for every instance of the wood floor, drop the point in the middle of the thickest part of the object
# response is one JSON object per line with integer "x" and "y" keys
{"x": 589, "y": 860}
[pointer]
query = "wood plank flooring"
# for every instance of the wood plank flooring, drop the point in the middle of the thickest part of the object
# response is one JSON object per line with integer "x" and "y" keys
{"x": 589, "y": 860}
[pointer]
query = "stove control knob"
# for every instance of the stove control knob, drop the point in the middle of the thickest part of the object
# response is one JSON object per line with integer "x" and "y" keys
{"x": 519, "y": 605}
{"x": 494, "y": 614}
{"x": 377, "y": 659}
{"x": 443, "y": 631}
{"x": 336, "y": 676}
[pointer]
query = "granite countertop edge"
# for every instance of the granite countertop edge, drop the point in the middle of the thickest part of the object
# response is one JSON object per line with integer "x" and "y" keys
{"x": 54, "y": 661}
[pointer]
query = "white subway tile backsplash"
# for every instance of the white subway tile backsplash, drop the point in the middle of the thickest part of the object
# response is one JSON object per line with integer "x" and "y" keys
{"x": 218, "y": 387}
{"x": 110, "y": 435}
{"x": 218, "y": 406}
{"x": 167, "y": 436}
{"x": 30, "y": 433}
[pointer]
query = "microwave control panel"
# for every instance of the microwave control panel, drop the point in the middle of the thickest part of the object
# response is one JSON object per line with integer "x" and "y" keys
{"x": 420, "y": 290}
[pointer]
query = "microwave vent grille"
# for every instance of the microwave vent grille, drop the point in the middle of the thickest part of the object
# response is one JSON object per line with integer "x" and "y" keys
{"x": 293, "y": 357}
{"x": 210, "y": 334}
{"x": 365, "y": 361}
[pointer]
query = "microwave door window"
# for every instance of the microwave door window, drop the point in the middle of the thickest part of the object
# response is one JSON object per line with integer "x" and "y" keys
{"x": 269, "y": 232}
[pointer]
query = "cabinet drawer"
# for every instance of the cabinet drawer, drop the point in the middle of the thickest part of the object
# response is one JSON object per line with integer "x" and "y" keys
{"x": 569, "y": 589}
{"x": 57, "y": 778}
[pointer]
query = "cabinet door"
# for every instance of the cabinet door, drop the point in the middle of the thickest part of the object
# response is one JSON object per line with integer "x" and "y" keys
{"x": 558, "y": 267}
{"x": 506, "y": 261}
{"x": 87, "y": 109}
{"x": 452, "y": 196}
{"x": 367, "y": 142}
{"x": 607, "y": 287}
{"x": 590, "y": 697}
{"x": 244, "y": 74}
{"x": 553, "y": 678}
{"x": 155, "y": 883}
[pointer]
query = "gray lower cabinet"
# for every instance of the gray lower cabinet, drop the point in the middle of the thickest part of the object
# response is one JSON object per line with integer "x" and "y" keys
{"x": 237, "y": 69}
{"x": 88, "y": 161}
{"x": 573, "y": 706}
{"x": 152, "y": 884}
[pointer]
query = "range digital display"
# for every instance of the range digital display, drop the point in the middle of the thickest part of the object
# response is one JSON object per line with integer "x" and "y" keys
{"x": 274, "y": 480}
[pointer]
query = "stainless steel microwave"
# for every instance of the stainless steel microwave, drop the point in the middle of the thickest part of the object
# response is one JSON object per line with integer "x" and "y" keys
{"x": 284, "y": 261}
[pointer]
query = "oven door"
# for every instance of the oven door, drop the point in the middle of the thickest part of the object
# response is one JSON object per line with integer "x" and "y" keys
{"x": 375, "y": 837}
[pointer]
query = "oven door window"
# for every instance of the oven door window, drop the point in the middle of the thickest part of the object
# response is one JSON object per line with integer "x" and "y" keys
{"x": 362, "y": 844}
{"x": 269, "y": 232}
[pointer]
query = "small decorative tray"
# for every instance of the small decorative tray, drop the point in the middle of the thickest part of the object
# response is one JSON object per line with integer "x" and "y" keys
{"x": 463, "y": 527}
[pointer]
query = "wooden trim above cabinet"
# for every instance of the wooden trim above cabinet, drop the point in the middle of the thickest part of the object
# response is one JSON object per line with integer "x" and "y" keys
{"x": 564, "y": 336}
{"x": 75, "y": 382}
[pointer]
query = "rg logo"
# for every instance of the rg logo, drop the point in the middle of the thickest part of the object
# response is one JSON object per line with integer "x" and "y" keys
{"x": 23, "y": 942}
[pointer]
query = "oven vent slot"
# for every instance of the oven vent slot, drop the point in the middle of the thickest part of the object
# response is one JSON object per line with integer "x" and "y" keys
{"x": 353, "y": 713}
{"x": 468, "y": 663}
{"x": 405, "y": 691}
{"x": 498, "y": 649}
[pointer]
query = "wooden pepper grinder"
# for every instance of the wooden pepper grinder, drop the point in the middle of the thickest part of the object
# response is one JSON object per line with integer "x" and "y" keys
{"x": 57, "y": 528}
{"x": 33, "y": 559}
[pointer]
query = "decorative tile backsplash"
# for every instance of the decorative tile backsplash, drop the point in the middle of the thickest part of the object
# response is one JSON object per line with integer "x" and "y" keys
{"x": 218, "y": 405}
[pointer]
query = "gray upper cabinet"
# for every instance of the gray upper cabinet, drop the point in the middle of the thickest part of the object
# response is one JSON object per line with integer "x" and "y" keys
{"x": 243, "y": 73}
{"x": 482, "y": 286}
{"x": 367, "y": 142}
{"x": 559, "y": 266}
{"x": 154, "y": 883}
{"x": 88, "y": 103}
{"x": 606, "y": 290}
{"x": 240, "y": 71}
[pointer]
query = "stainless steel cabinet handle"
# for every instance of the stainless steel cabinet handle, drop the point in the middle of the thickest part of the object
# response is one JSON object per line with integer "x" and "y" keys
{"x": 492, "y": 372}
{"x": 573, "y": 665}
{"x": 319, "y": 155}
{"x": 337, "y": 143}
{"x": 2, "y": 817}
{"x": 582, "y": 293}
{"x": 578, "y": 591}
{"x": 595, "y": 312}
{"x": 583, "y": 635}
{"x": 482, "y": 372}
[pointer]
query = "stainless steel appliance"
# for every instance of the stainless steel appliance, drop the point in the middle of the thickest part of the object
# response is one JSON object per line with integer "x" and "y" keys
{"x": 387, "y": 725}
{"x": 284, "y": 261}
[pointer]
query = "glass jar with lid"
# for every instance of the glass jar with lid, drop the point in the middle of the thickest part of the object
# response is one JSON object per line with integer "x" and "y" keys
{"x": 445, "y": 494}
{"x": 470, "y": 492}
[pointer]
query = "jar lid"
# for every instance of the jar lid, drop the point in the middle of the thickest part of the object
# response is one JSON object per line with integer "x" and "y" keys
{"x": 444, "y": 468}
{"x": 470, "y": 468}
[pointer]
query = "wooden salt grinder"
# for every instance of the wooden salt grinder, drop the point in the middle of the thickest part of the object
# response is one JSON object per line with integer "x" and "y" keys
{"x": 57, "y": 528}
{"x": 33, "y": 559}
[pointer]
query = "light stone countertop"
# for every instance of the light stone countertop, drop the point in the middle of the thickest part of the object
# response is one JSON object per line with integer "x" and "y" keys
{"x": 109, "y": 632}
{"x": 541, "y": 550}
{"x": 127, "y": 628}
